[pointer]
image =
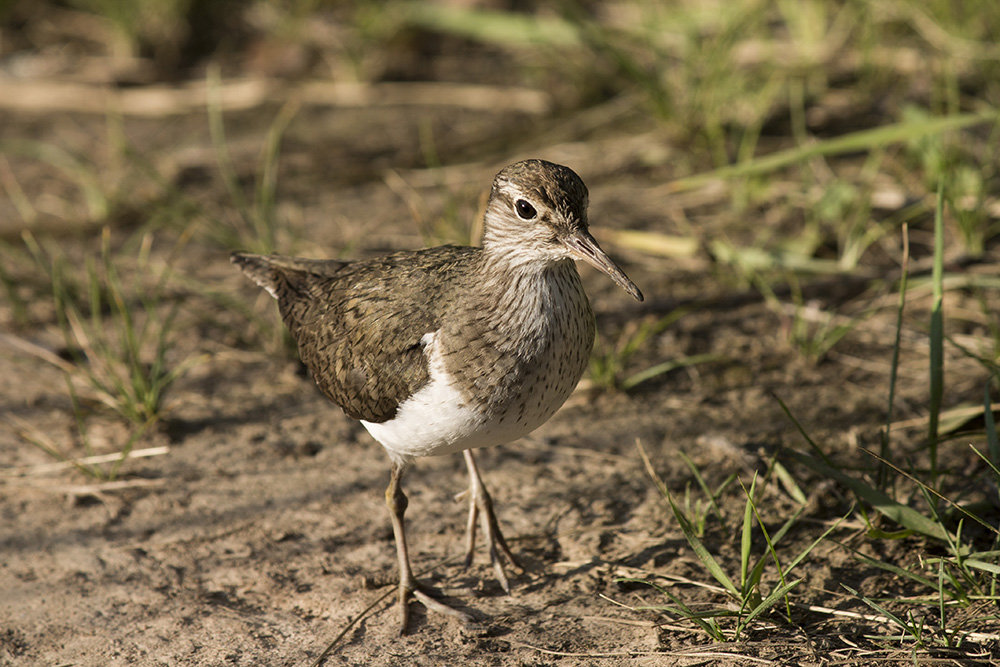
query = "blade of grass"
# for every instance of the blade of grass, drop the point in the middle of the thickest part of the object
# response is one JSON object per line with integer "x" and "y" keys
{"x": 883, "y": 473}
{"x": 901, "y": 514}
{"x": 936, "y": 336}
{"x": 759, "y": 568}
{"x": 702, "y": 483}
{"x": 801, "y": 429}
{"x": 986, "y": 459}
{"x": 791, "y": 486}
{"x": 15, "y": 195}
{"x": 667, "y": 366}
{"x": 77, "y": 169}
{"x": 906, "y": 627}
{"x": 264, "y": 215}
{"x": 848, "y": 143}
{"x": 702, "y": 552}
{"x": 805, "y": 552}
{"x": 942, "y": 622}
{"x": 768, "y": 602}
{"x": 925, "y": 488}
{"x": 985, "y": 566}
{"x": 217, "y": 130}
{"x": 747, "y": 534}
{"x": 704, "y": 620}
{"x": 126, "y": 450}
{"x": 992, "y": 442}
{"x": 32, "y": 435}
{"x": 696, "y": 544}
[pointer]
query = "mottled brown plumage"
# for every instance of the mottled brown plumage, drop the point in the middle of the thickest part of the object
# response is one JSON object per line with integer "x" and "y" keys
{"x": 358, "y": 324}
{"x": 449, "y": 348}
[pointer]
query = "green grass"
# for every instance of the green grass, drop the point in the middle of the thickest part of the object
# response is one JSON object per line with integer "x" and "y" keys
{"x": 610, "y": 363}
{"x": 255, "y": 226}
{"x": 119, "y": 333}
{"x": 764, "y": 580}
{"x": 72, "y": 166}
{"x": 718, "y": 83}
{"x": 783, "y": 129}
{"x": 967, "y": 574}
{"x": 936, "y": 352}
{"x": 119, "y": 341}
{"x": 944, "y": 598}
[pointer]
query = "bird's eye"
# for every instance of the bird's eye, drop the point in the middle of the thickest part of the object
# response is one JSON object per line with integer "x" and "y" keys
{"x": 525, "y": 210}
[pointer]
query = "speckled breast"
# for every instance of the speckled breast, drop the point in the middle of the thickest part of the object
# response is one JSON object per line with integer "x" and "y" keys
{"x": 534, "y": 348}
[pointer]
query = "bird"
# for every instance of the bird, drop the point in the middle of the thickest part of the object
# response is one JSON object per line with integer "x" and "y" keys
{"x": 452, "y": 348}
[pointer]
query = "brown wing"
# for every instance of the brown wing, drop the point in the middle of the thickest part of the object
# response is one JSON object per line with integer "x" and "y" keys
{"x": 359, "y": 325}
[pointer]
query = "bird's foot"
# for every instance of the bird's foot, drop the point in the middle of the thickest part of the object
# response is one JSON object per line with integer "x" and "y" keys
{"x": 422, "y": 594}
{"x": 481, "y": 514}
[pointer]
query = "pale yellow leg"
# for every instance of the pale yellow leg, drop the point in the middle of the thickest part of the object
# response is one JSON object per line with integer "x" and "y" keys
{"x": 481, "y": 507}
{"x": 395, "y": 499}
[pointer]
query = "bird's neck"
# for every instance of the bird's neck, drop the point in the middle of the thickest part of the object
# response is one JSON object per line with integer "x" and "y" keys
{"x": 519, "y": 293}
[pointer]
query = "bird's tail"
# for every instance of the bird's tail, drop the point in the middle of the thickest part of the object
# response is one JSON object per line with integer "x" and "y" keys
{"x": 286, "y": 276}
{"x": 260, "y": 269}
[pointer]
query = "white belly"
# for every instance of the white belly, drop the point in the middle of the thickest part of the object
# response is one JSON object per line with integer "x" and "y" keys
{"x": 439, "y": 420}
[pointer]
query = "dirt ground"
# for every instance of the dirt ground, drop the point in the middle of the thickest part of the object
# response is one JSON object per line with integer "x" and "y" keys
{"x": 259, "y": 534}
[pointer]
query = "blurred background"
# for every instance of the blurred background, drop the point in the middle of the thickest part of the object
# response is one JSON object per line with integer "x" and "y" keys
{"x": 807, "y": 191}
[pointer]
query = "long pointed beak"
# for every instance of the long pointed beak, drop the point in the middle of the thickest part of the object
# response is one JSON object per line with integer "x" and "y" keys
{"x": 584, "y": 246}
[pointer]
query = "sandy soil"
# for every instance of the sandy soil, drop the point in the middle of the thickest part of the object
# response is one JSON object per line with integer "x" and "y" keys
{"x": 261, "y": 534}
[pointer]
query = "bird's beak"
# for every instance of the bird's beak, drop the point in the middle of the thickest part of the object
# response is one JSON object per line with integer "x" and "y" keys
{"x": 583, "y": 246}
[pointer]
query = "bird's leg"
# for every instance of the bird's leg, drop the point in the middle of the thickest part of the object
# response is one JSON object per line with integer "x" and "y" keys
{"x": 481, "y": 507}
{"x": 396, "y": 500}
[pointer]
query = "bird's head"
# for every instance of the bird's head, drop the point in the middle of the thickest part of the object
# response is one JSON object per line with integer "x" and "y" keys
{"x": 537, "y": 212}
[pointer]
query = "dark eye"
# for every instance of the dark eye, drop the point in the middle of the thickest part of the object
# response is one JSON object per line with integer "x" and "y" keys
{"x": 525, "y": 210}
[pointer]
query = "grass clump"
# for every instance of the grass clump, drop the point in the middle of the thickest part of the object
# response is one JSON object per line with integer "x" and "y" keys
{"x": 610, "y": 363}
{"x": 930, "y": 532}
{"x": 256, "y": 225}
{"x": 118, "y": 339}
{"x": 953, "y": 584}
{"x": 764, "y": 579}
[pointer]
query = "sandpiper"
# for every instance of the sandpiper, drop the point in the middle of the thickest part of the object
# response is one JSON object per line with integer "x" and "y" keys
{"x": 451, "y": 348}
